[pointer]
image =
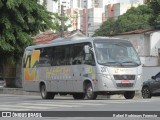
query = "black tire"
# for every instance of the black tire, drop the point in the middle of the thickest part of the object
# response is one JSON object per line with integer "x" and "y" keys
{"x": 129, "y": 94}
{"x": 45, "y": 94}
{"x": 146, "y": 93}
{"x": 91, "y": 95}
{"x": 77, "y": 96}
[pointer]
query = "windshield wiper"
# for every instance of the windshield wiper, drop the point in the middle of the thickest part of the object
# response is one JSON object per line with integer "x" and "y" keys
{"x": 108, "y": 63}
{"x": 131, "y": 62}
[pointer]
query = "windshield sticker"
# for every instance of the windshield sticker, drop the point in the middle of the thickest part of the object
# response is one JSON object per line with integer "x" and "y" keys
{"x": 122, "y": 70}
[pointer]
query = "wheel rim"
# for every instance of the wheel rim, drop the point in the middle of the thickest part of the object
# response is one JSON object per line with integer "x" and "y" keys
{"x": 145, "y": 93}
{"x": 89, "y": 92}
{"x": 43, "y": 91}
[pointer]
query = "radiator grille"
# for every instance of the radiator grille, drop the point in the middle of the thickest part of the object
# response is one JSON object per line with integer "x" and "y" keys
{"x": 124, "y": 77}
{"x": 124, "y": 85}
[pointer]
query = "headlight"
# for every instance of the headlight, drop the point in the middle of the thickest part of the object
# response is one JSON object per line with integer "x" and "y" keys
{"x": 139, "y": 76}
{"x": 108, "y": 77}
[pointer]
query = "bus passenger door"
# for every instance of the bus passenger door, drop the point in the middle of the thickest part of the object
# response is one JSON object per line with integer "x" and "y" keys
{"x": 61, "y": 61}
{"x": 77, "y": 78}
{"x": 77, "y": 55}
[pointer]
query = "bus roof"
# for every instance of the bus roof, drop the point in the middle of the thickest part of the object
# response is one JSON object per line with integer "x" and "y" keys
{"x": 71, "y": 40}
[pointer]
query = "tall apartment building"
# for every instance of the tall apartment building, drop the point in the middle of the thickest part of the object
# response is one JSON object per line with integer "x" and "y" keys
{"x": 107, "y": 8}
{"x": 98, "y": 11}
{"x": 117, "y": 9}
{"x": 75, "y": 4}
{"x": 94, "y": 19}
{"x": 51, "y": 6}
{"x": 66, "y": 5}
{"x": 74, "y": 15}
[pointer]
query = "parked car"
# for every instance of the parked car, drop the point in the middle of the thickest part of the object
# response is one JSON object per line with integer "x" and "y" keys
{"x": 1, "y": 82}
{"x": 151, "y": 87}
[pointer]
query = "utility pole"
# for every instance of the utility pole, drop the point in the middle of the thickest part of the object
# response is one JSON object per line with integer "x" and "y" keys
{"x": 87, "y": 18}
{"x": 62, "y": 21}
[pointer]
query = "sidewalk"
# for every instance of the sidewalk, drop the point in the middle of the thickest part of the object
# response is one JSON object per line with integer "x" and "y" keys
{"x": 19, "y": 91}
{"x": 16, "y": 91}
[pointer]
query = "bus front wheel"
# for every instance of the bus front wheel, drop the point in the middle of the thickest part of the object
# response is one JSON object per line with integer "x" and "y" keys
{"x": 91, "y": 95}
{"x": 129, "y": 94}
{"x": 45, "y": 94}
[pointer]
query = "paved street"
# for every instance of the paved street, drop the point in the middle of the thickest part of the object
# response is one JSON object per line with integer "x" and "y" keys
{"x": 62, "y": 103}
{"x": 27, "y": 103}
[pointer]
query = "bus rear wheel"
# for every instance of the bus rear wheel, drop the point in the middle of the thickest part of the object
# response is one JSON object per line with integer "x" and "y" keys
{"x": 91, "y": 95}
{"x": 78, "y": 96}
{"x": 129, "y": 94}
{"x": 45, "y": 94}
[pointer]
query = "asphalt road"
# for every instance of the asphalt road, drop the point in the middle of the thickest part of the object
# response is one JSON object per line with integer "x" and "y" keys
{"x": 28, "y": 103}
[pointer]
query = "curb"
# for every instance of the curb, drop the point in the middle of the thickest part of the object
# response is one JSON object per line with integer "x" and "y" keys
{"x": 16, "y": 91}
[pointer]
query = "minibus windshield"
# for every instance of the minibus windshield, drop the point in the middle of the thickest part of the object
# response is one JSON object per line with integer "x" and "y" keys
{"x": 116, "y": 53}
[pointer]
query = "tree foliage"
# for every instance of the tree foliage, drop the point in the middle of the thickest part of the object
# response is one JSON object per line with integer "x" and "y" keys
{"x": 155, "y": 6}
{"x": 133, "y": 19}
{"x": 20, "y": 19}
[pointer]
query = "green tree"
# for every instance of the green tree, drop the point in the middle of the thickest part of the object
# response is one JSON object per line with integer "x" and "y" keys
{"x": 155, "y": 6}
{"x": 133, "y": 19}
{"x": 20, "y": 19}
{"x": 107, "y": 28}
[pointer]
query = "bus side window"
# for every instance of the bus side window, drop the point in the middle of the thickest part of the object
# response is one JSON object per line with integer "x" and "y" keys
{"x": 53, "y": 58}
{"x": 67, "y": 55}
{"x": 45, "y": 57}
{"x": 58, "y": 56}
{"x": 77, "y": 54}
{"x": 89, "y": 55}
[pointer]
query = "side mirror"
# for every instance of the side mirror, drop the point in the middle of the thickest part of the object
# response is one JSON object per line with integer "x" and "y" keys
{"x": 153, "y": 77}
{"x": 86, "y": 49}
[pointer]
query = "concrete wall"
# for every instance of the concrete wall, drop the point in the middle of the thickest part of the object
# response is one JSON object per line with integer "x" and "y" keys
{"x": 146, "y": 45}
{"x": 154, "y": 43}
{"x": 137, "y": 40}
{"x": 149, "y": 61}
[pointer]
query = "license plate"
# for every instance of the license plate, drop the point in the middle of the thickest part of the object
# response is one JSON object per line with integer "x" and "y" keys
{"x": 125, "y": 81}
